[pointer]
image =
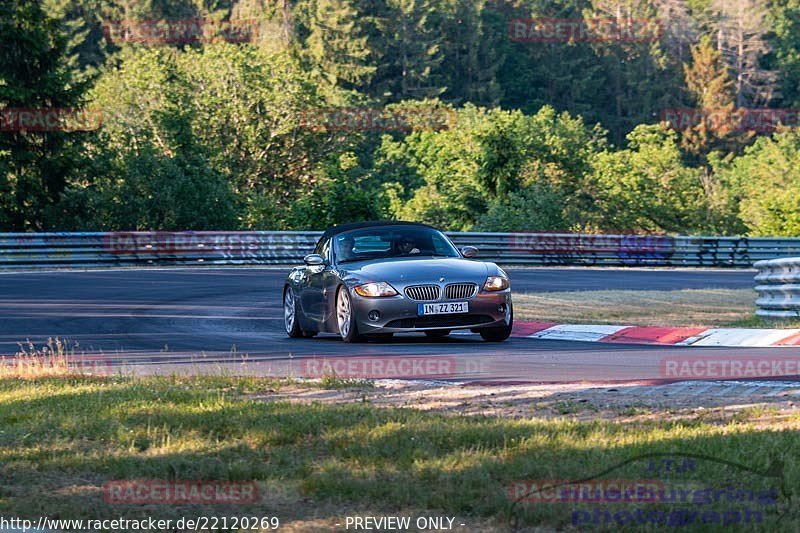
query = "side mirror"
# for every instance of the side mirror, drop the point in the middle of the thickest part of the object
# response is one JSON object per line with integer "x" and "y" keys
{"x": 469, "y": 252}
{"x": 313, "y": 260}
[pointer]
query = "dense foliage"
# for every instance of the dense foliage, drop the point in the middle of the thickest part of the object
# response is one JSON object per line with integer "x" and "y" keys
{"x": 554, "y": 135}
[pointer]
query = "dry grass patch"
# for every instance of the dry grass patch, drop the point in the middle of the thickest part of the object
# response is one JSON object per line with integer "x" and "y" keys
{"x": 56, "y": 358}
{"x": 688, "y": 307}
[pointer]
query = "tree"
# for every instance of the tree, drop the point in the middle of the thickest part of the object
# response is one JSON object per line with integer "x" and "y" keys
{"x": 473, "y": 52}
{"x": 490, "y": 154}
{"x": 786, "y": 14}
{"x": 532, "y": 208}
{"x": 741, "y": 28}
{"x": 564, "y": 75}
{"x": 236, "y": 111}
{"x": 646, "y": 187}
{"x": 146, "y": 190}
{"x": 35, "y": 73}
{"x": 640, "y": 80}
{"x": 680, "y": 29}
{"x": 766, "y": 179}
{"x": 408, "y": 43}
{"x": 707, "y": 78}
{"x": 338, "y": 197}
{"x": 338, "y": 44}
{"x": 711, "y": 88}
{"x": 276, "y": 22}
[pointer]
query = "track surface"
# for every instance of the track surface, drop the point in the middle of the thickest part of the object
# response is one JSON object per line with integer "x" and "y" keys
{"x": 182, "y": 319}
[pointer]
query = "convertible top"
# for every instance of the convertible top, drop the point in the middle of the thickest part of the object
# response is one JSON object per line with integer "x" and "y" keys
{"x": 336, "y": 230}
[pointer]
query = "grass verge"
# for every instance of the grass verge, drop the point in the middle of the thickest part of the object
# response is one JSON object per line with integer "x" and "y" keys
{"x": 688, "y": 307}
{"x": 61, "y": 440}
{"x": 55, "y": 358}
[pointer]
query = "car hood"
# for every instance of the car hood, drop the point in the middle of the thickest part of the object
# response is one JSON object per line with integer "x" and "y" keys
{"x": 405, "y": 271}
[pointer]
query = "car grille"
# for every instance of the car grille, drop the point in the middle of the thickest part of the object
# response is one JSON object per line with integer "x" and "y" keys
{"x": 460, "y": 291}
{"x": 423, "y": 293}
{"x": 440, "y": 321}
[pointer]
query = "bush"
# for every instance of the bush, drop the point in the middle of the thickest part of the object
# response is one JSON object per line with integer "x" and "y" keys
{"x": 534, "y": 208}
{"x": 767, "y": 181}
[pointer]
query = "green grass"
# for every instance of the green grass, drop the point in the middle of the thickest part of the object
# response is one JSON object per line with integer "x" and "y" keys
{"x": 760, "y": 322}
{"x": 61, "y": 439}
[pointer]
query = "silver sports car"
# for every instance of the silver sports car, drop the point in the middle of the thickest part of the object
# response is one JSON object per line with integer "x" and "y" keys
{"x": 375, "y": 279}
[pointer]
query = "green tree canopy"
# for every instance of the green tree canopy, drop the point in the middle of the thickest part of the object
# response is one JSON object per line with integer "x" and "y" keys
{"x": 767, "y": 179}
{"x": 488, "y": 154}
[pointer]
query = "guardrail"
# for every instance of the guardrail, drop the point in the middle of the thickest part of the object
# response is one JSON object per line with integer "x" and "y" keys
{"x": 778, "y": 288}
{"x": 29, "y": 250}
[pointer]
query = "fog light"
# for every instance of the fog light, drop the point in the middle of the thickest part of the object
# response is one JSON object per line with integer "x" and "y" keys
{"x": 374, "y": 315}
{"x": 501, "y": 308}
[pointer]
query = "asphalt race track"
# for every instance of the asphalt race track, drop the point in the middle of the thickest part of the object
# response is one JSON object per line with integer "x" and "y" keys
{"x": 167, "y": 320}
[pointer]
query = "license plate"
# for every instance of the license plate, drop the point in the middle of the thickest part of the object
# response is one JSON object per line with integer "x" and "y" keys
{"x": 443, "y": 308}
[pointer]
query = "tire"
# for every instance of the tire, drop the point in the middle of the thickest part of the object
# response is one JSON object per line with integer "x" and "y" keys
{"x": 290, "y": 319}
{"x": 502, "y": 333}
{"x": 294, "y": 331}
{"x": 345, "y": 318}
{"x": 437, "y": 334}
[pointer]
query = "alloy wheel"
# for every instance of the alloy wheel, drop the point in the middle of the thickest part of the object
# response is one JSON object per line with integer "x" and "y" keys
{"x": 343, "y": 312}
{"x": 288, "y": 311}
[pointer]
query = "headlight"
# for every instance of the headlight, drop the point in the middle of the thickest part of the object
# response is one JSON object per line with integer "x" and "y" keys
{"x": 495, "y": 283}
{"x": 375, "y": 290}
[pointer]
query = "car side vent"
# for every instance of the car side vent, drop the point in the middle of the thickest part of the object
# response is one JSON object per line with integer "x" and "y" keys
{"x": 423, "y": 293}
{"x": 460, "y": 291}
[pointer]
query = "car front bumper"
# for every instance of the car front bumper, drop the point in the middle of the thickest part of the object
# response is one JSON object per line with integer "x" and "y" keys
{"x": 398, "y": 314}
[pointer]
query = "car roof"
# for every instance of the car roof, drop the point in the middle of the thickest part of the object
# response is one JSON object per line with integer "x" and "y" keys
{"x": 336, "y": 230}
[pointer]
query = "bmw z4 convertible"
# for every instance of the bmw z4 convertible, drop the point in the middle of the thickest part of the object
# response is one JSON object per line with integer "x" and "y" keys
{"x": 375, "y": 279}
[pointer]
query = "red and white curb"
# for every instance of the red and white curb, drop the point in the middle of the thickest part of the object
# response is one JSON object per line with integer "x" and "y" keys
{"x": 729, "y": 337}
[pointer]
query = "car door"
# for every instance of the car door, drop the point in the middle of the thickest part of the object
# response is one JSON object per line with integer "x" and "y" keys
{"x": 313, "y": 298}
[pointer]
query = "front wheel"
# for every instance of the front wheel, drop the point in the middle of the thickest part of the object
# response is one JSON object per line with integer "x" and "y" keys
{"x": 290, "y": 320}
{"x": 500, "y": 333}
{"x": 345, "y": 317}
{"x": 291, "y": 317}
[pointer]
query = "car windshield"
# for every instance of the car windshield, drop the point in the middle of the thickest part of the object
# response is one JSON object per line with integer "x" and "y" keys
{"x": 391, "y": 241}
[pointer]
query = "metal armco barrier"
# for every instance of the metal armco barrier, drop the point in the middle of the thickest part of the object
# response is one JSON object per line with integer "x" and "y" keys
{"x": 778, "y": 288}
{"x": 33, "y": 250}
{"x": 154, "y": 248}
